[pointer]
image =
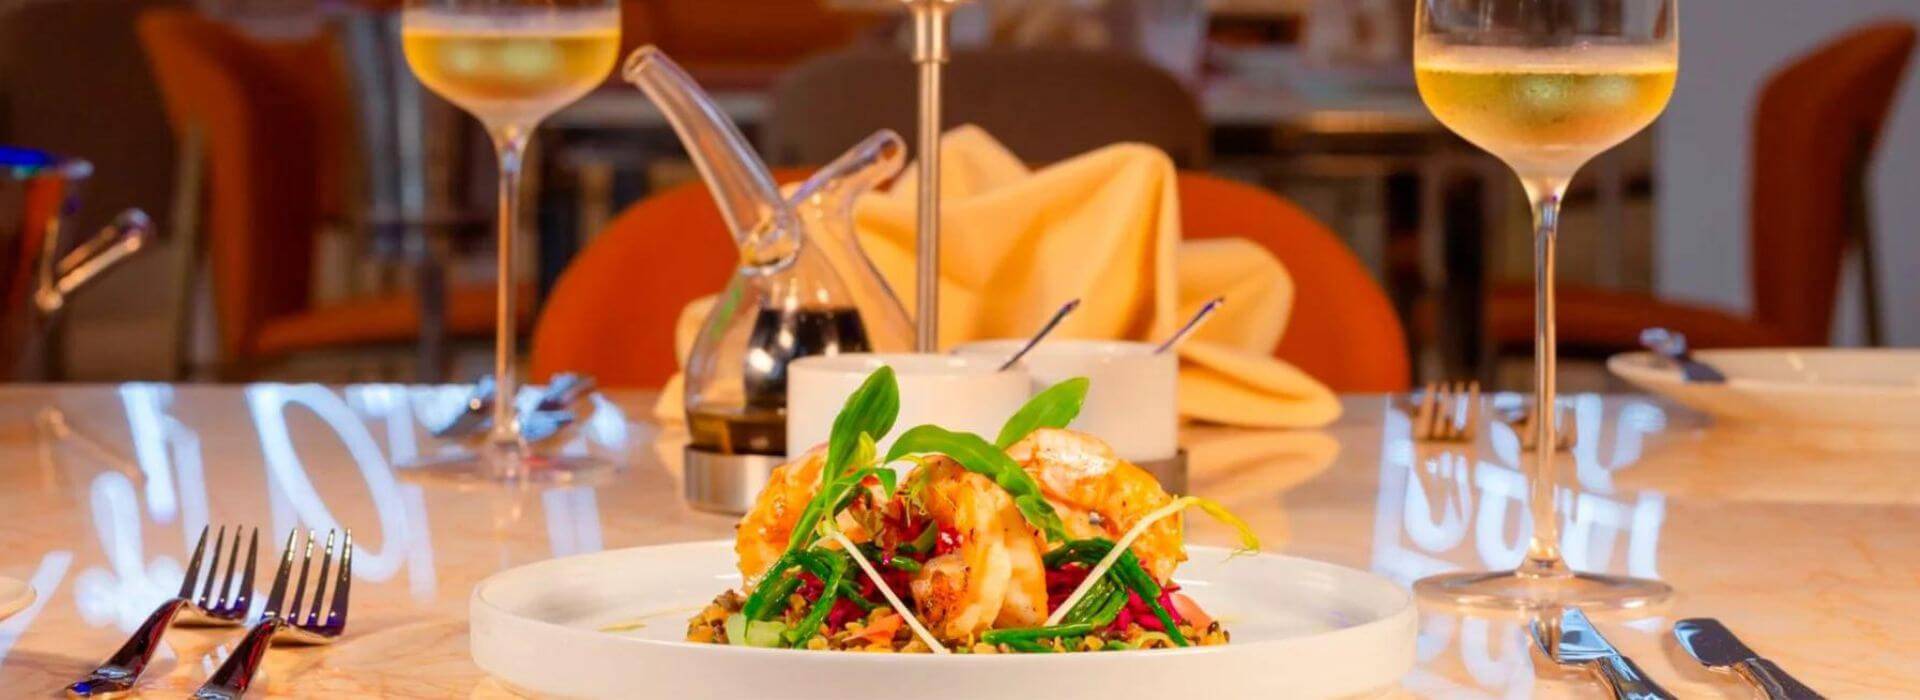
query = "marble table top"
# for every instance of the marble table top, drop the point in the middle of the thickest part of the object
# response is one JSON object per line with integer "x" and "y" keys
{"x": 1807, "y": 545}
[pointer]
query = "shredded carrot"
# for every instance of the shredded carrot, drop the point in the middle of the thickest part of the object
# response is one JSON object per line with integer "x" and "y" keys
{"x": 882, "y": 629}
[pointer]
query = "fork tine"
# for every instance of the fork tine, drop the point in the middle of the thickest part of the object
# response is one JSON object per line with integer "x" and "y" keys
{"x": 1423, "y": 417}
{"x": 193, "y": 564}
{"x": 213, "y": 569}
{"x": 337, "y": 615}
{"x": 279, "y": 592}
{"x": 300, "y": 584}
{"x": 320, "y": 583}
{"x": 233, "y": 562}
{"x": 1462, "y": 425}
{"x": 1473, "y": 404}
{"x": 245, "y": 595}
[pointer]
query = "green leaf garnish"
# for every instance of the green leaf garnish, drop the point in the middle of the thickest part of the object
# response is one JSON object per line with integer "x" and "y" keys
{"x": 870, "y": 409}
{"x": 1053, "y": 408}
{"x": 976, "y": 455}
{"x": 868, "y": 415}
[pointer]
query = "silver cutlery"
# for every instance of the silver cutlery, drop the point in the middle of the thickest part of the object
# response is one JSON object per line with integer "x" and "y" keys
{"x": 1570, "y": 640}
{"x": 554, "y": 411}
{"x": 212, "y": 605}
{"x": 474, "y": 416}
{"x": 1715, "y": 647}
{"x": 1440, "y": 415}
{"x": 319, "y": 624}
{"x": 1193, "y": 324}
{"x": 1521, "y": 421}
{"x": 1673, "y": 346}
{"x": 1045, "y": 330}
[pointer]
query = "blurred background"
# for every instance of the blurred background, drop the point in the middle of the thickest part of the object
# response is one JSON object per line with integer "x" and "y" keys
{"x": 322, "y": 217}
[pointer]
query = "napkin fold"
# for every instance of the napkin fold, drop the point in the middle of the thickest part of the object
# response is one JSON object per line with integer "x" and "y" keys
{"x": 1103, "y": 227}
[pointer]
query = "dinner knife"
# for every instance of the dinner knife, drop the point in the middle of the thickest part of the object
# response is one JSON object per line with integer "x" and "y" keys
{"x": 1571, "y": 640}
{"x": 1715, "y": 647}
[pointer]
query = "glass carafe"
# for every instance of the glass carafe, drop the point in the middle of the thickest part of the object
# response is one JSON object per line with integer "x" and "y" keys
{"x": 804, "y": 287}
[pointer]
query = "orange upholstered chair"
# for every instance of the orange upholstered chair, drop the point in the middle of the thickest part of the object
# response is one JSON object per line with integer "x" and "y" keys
{"x": 1816, "y": 127}
{"x": 612, "y": 314}
{"x": 273, "y": 121}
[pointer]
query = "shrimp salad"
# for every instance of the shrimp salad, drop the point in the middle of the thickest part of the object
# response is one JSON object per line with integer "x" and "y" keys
{"x": 1041, "y": 540}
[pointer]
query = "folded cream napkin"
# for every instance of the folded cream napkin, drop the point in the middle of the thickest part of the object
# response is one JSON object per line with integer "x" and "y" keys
{"x": 1103, "y": 227}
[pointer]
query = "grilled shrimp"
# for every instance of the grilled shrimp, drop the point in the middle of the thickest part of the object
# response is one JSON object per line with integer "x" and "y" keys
{"x": 762, "y": 535}
{"x": 1097, "y": 494}
{"x": 992, "y": 576}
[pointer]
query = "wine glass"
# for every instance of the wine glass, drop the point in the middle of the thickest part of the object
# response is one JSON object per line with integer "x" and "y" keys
{"x": 1545, "y": 85}
{"x": 510, "y": 63}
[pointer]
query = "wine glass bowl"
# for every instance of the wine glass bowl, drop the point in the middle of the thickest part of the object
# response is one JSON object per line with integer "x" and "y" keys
{"x": 511, "y": 64}
{"x": 1545, "y": 85}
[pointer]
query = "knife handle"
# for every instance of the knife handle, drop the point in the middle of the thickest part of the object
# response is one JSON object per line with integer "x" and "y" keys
{"x": 1628, "y": 682}
{"x": 1773, "y": 681}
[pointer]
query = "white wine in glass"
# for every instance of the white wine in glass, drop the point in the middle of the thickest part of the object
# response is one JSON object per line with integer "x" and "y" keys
{"x": 1546, "y": 111}
{"x": 1545, "y": 85}
{"x": 511, "y": 64}
{"x": 512, "y": 68}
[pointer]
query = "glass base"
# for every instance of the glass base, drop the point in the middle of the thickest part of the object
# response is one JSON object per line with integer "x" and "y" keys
{"x": 1524, "y": 591}
{"x": 512, "y": 464}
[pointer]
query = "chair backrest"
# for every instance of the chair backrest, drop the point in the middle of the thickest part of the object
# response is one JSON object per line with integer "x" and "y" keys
{"x": 1044, "y": 104}
{"x": 98, "y": 104}
{"x": 613, "y": 312}
{"x": 273, "y": 123}
{"x": 1817, "y": 124}
{"x": 1343, "y": 329}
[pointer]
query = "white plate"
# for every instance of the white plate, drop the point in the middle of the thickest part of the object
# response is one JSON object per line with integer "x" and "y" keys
{"x": 1869, "y": 389}
{"x": 15, "y": 595}
{"x": 1300, "y": 629}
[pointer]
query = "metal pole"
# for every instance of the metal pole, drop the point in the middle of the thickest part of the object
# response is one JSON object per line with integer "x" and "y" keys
{"x": 929, "y": 52}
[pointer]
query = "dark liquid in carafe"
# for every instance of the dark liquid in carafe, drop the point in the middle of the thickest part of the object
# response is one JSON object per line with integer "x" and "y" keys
{"x": 736, "y": 431}
{"x": 781, "y": 336}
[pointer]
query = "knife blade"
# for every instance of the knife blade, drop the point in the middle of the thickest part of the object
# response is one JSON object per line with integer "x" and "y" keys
{"x": 1571, "y": 640}
{"x": 1715, "y": 647}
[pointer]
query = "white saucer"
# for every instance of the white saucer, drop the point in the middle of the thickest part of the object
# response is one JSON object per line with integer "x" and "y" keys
{"x": 1817, "y": 387}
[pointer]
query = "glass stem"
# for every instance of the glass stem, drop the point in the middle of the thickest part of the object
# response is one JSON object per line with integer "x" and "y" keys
{"x": 1543, "y": 548}
{"x": 510, "y": 144}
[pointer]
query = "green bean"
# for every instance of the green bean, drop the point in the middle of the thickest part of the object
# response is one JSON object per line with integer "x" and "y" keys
{"x": 778, "y": 583}
{"x": 1127, "y": 568}
{"x": 1106, "y": 614}
{"x": 1095, "y": 600}
{"x": 1025, "y": 634}
{"x": 1027, "y": 646}
{"x": 829, "y": 592}
{"x": 904, "y": 564}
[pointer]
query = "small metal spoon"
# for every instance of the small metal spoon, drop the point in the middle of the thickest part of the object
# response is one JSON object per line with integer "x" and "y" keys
{"x": 1673, "y": 346}
{"x": 1192, "y": 325}
{"x": 1058, "y": 316}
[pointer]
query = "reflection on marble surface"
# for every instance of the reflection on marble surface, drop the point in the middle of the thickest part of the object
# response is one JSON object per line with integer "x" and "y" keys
{"x": 1442, "y": 508}
{"x": 377, "y": 425}
{"x": 1809, "y": 554}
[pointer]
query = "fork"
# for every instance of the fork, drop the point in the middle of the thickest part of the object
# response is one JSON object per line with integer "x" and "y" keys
{"x": 224, "y": 607}
{"x": 1439, "y": 417}
{"x": 278, "y": 625}
{"x": 1565, "y": 432}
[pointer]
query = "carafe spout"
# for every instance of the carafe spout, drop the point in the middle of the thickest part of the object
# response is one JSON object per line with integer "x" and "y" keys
{"x": 761, "y": 222}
